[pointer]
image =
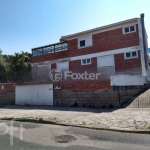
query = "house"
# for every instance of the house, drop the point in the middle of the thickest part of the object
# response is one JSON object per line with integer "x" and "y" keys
{"x": 116, "y": 52}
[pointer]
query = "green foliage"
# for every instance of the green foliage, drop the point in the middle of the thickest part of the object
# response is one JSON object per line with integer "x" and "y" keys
{"x": 15, "y": 67}
{"x": 3, "y": 75}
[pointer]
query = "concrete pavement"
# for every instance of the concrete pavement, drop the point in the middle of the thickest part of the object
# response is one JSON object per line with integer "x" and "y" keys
{"x": 43, "y": 137}
{"x": 127, "y": 119}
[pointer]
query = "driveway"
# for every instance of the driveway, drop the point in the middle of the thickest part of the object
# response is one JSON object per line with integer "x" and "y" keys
{"x": 127, "y": 119}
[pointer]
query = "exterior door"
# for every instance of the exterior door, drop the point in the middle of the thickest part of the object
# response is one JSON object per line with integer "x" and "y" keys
{"x": 34, "y": 94}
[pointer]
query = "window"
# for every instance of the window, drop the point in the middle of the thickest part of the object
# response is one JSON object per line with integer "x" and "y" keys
{"x": 37, "y": 52}
{"x": 129, "y": 29}
{"x": 82, "y": 43}
{"x": 130, "y": 55}
{"x": 86, "y": 61}
{"x": 85, "y": 42}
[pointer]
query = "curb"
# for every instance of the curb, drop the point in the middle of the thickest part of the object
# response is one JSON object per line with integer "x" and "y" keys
{"x": 86, "y": 127}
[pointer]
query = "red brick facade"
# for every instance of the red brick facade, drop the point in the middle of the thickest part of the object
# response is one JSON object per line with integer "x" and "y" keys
{"x": 7, "y": 87}
{"x": 86, "y": 85}
{"x": 102, "y": 42}
{"x": 105, "y": 41}
{"x": 121, "y": 63}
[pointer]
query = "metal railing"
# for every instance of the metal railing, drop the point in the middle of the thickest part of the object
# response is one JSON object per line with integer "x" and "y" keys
{"x": 49, "y": 49}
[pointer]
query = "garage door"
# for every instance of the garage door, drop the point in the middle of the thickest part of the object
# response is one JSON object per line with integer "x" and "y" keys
{"x": 34, "y": 94}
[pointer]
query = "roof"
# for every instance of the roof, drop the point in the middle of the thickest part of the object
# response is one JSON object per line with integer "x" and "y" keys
{"x": 48, "y": 45}
{"x": 99, "y": 28}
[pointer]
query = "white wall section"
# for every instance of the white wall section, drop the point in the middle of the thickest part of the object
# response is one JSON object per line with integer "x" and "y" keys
{"x": 127, "y": 80}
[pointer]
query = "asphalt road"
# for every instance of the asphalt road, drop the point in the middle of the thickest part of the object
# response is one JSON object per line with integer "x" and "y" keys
{"x": 42, "y": 137}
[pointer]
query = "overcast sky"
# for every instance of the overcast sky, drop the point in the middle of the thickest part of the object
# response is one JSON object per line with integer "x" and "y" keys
{"x": 25, "y": 24}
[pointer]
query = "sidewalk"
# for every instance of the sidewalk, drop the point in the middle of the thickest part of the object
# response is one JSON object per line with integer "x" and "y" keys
{"x": 127, "y": 119}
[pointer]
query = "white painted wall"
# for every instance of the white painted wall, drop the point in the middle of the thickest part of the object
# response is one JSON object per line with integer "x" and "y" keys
{"x": 127, "y": 80}
{"x": 41, "y": 94}
{"x": 88, "y": 41}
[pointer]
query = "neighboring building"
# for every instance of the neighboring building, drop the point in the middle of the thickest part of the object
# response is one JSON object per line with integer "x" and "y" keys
{"x": 148, "y": 50}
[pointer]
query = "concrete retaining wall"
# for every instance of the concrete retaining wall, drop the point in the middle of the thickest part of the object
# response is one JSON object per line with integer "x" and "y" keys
{"x": 96, "y": 98}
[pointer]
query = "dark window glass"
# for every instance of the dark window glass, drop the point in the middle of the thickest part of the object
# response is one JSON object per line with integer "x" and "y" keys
{"x": 133, "y": 54}
{"x": 128, "y": 55}
{"x": 84, "y": 61}
{"x": 82, "y": 43}
{"x": 88, "y": 61}
{"x": 126, "y": 30}
{"x": 132, "y": 28}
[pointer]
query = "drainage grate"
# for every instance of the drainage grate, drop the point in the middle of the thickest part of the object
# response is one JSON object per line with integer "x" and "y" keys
{"x": 64, "y": 138}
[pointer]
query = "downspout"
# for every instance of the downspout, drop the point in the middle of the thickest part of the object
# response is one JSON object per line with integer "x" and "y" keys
{"x": 144, "y": 41}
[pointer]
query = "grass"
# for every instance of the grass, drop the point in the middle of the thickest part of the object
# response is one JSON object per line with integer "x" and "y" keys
{"x": 52, "y": 119}
{"x": 40, "y": 119}
{"x": 136, "y": 127}
{"x": 3, "y": 118}
{"x": 83, "y": 123}
{"x": 134, "y": 121}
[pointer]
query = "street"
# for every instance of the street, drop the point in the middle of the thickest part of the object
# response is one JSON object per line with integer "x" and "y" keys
{"x": 45, "y": 137}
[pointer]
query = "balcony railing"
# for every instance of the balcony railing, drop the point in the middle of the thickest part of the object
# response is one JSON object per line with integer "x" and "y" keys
{"x": 49, "y": 49}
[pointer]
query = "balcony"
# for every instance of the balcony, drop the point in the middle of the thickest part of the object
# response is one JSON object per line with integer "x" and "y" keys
{"x": 49, "y": 49}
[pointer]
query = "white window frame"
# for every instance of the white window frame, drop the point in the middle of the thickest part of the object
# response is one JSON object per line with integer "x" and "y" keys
{"x": 84, "y": 38}
{"x": 131, "y": 55}
{"x": 86, "y": 61}
{"x": 129, "y": 29}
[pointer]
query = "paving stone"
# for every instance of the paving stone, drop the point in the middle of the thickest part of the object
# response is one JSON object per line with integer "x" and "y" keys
{"x": 123, "y": 125}
{"x": 119, "y": 119}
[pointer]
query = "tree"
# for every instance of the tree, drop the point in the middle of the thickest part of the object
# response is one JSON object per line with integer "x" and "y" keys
{"x": 18, "y": 66}
{"x": 3, "y": 75}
